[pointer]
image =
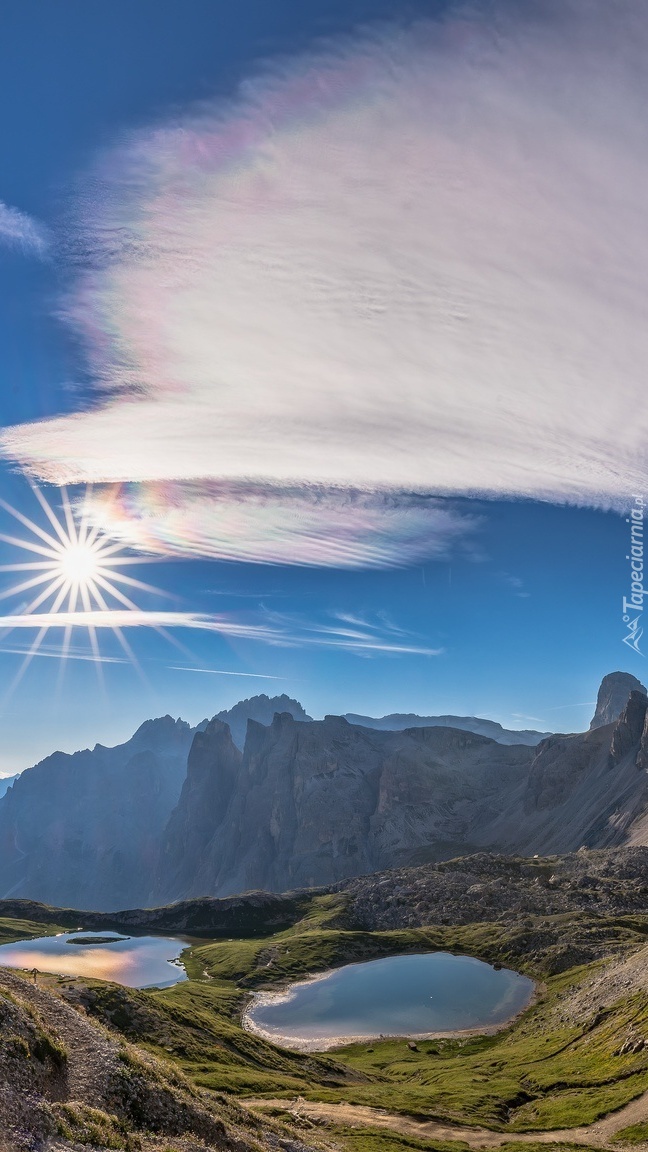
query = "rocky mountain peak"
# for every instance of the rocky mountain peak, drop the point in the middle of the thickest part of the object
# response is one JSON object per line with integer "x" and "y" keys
{"x": 613, "y": 697}
{"x": 261, "y": 709}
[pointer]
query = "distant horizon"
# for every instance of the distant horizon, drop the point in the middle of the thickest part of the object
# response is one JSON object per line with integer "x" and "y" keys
{"x": 126, "y": 735}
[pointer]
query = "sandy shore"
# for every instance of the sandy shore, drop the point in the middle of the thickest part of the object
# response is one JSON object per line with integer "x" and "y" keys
{"x": 325, "y": 1044}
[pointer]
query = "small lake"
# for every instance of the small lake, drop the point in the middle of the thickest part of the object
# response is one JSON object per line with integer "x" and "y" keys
{"x": 136, "y": 961}
{"x": 413, "y": 996}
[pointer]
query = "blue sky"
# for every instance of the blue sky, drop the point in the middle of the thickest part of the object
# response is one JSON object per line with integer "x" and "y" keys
{"x": 345, "y": 326}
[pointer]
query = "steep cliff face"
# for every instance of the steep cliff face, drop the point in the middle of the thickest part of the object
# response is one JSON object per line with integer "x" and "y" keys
{"x": 84, "y": 829}
{"x": 314, "y": 802}
{"x": 613, "y": 697}
{"x": 212, "y": 773}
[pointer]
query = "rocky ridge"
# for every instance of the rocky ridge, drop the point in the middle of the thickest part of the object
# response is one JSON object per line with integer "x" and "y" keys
{"x": 398, "y": 721}
{"x": 260, "y": 708}
{"x": 84, "y": 829}
{"x": 310, "y": 803}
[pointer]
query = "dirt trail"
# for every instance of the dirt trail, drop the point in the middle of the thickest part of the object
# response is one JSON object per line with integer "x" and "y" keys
{"x": 92, "y": 1055}
{"x": 600, "y": 1135}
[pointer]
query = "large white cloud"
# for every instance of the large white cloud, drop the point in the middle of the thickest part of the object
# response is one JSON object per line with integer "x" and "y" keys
{"x": 416, "y": 261}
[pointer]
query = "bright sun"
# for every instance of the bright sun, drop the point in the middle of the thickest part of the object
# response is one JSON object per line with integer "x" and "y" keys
{"x": 80, "y": 563}
{"x": 75, "y": 572}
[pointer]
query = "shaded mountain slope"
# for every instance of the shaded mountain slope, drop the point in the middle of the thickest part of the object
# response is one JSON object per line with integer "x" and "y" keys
{"x": 311, "y": 803}
{"x": 589, "y": 789}
{"x": 84, "y": 829}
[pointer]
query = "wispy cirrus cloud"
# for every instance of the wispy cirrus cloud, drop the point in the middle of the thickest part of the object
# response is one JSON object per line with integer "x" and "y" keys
{"x": 361, "y": 635}
{"x": 55, "y": 654}
{"x": 415, "y": 262}
{"x": 224, "y": 672}
{"x": 21, "y": 231}
{"x": 279, "y": 630}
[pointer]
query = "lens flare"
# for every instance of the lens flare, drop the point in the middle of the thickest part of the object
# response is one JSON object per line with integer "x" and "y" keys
{"x": 75, "y": 573}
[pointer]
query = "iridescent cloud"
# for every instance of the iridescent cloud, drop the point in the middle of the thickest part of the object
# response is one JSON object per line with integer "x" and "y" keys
{"x": 271, "y": 524}
{"x": 415, "y": 262}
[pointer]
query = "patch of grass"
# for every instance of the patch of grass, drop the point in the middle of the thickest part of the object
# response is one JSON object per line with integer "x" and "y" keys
{"x": 91, "y": 1126}
{"x": 634, "y": 1134}
{"x": 381, "y": 1140}
{"x": 12, "y": 930}
{"x": 543, "y": 1072}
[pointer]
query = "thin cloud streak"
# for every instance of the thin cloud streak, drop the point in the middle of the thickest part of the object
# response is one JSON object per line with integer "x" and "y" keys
{"x": 20, "y": 231}
{"x": 415, "y": 262}
{"x": 136, "y": 618}
{"x": 89, "y": 657}
{"x": 222, "y": 672}
{"x": 276, "y": 631}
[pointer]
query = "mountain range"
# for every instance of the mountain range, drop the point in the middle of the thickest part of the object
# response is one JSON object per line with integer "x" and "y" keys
{"x": 399, "y": 721}
{"x": 179, "y": 812}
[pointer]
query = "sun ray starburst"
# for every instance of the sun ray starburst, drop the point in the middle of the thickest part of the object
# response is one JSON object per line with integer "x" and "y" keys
{"x": 77, "y": 574}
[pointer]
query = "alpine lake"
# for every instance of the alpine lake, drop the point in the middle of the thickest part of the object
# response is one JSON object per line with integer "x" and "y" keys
{"x": 424, "y": 994}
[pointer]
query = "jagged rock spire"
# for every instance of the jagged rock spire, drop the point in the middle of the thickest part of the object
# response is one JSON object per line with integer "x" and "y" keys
{"x": 613, "y": 697}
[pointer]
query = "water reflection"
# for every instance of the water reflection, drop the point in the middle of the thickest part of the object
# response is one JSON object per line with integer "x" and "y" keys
{"x": 417, "y": 995}
{"x": 136, "y": 961}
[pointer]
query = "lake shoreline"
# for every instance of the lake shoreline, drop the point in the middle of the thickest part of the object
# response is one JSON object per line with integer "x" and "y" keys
{"x": 130, "y": 961}
{"x": 326, "y": 1044}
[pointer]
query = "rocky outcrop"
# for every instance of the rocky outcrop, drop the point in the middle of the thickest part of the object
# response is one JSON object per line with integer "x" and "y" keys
{"x": 582, "y": 790}
{"x": 399, "y": 721}
{"x": 485, "y": 886}
{"x": 613, "y": 697}
{"x": 85, "y": 829}
{"x": 260, "y": 708}
{"x": 629, "y": 727}
{"x": 6, "y": 783}
{"x": 642, "y": 755}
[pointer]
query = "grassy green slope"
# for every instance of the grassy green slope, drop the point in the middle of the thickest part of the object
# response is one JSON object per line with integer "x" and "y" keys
{"x": 544, "y": 1072}
{"x": 12, "y": 930}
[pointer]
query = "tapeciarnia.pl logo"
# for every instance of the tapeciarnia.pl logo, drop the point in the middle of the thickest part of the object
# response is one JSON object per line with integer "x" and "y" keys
{"x": 633, "y": 605}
